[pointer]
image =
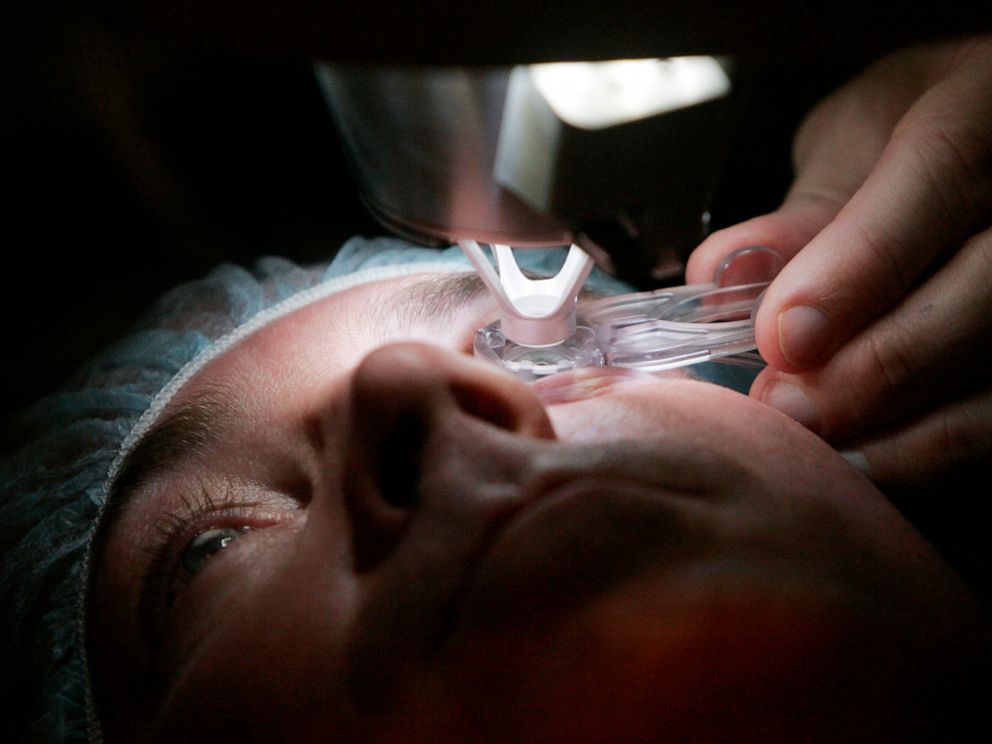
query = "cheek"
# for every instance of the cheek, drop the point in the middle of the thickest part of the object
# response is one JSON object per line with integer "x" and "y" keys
{"x": 630, "y": 411}
{"x": 265, "y": 658}
{"x": 579, "y": 422}
{"x": 716, "y": 428}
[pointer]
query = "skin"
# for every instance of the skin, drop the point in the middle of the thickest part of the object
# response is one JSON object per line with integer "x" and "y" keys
{"x": 441, "y": 553}
{"x": 886, "y": 231}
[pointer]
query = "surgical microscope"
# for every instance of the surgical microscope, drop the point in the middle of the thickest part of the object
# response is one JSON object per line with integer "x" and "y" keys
{"x": 617, "y": 159}
{"x": 456, "y": 136}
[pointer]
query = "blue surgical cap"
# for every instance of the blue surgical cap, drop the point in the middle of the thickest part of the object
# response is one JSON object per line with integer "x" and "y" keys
{"x": 56, "y": 474}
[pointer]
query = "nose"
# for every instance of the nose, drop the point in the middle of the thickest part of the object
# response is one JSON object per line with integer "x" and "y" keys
{"x": 433, "y": 432}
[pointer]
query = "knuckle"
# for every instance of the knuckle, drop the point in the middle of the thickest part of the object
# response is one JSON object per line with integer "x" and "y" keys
{"x": 952, "y": 154}
{"x": 949, "y": 442}
{"x": 889, "y": 366}
{"x": 981, "y": 246}
{"x": 964, "y": 431}
{"x": 870, "y": 285}
{"x": 974, "y": 52}
{"x": 898, "y": 273}
{"x": 820, "y": 198}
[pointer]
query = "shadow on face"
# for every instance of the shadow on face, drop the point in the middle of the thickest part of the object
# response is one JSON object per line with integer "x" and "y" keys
{"x": 423, "y": 549}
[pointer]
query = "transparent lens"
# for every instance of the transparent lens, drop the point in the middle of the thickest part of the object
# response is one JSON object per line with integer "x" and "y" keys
{"x": 646, "y": 331}
{"x": 530, "y": 363}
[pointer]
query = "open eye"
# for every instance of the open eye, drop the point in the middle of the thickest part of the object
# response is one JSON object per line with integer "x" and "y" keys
{"x": 206, "y": 544}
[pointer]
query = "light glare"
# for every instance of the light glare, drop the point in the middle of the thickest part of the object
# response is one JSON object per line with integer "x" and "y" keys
{"x": 593, "y": 95}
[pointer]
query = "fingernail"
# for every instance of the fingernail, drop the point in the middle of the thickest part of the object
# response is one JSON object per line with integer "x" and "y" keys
{"x": 749, "y": 265}
{"x": 803, "y": 334}
{"x": 793, "y": 402}
{"x": 858, "y": 460}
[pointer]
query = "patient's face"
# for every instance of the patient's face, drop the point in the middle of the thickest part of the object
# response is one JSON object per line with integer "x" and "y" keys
{"x": 349, "y": 530}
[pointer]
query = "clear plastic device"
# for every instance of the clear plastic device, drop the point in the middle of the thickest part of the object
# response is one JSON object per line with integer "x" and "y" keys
{"x": 650, "y": 331}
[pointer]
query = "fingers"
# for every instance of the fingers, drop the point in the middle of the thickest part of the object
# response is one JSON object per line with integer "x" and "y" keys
{"x": 835, "y": 149}
{"x": 932, "y": 345}
{"x": 880, "y": 319}
{"x": 785, "y": 231}
{"x": 931, "y": 449}
{"x": 931, "y": 188}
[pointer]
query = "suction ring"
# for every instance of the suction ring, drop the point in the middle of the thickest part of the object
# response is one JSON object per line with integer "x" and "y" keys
{"x": 533, "y": 312}
{"x": 647, "y": 331}
{"x": 531, "y": 363}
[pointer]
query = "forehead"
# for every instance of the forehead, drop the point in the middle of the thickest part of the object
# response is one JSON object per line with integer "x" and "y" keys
{"x": 307, "y": 344}
{"x": 308, "y": 350}
{"x": 376, "y": 312}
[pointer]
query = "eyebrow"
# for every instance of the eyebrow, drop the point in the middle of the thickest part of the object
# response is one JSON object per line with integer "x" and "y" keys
{"x": 440, "y": 296}
{"x": 435, "y": 296}
{"x": 180, "y": 434}
{"x": 190, "y": 427}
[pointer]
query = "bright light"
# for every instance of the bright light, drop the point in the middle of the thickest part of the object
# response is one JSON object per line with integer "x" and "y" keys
{"x": 593, "y": 95}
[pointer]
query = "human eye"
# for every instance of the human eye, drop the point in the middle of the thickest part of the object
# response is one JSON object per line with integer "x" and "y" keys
{"x": 212, "y": 540}
{"x": 191, "y": 532}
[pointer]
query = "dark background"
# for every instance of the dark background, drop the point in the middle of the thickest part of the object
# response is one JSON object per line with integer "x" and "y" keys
{"x": 132, "y": 162}
{"x": 135, "y": 159}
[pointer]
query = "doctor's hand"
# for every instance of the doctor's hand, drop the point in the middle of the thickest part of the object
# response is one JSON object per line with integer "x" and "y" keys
{"x": 878, "y": 331}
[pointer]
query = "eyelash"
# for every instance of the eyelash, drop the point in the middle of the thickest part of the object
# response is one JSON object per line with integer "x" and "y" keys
{"x": 173, "y": 532}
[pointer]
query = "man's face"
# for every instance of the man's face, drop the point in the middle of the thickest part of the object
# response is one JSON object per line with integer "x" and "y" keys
{"x": 348, "y": 530}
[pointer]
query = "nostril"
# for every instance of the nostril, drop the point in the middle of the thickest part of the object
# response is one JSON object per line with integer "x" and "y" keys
{"x": 482, "y": 404}
{"x": 398, "y": 469}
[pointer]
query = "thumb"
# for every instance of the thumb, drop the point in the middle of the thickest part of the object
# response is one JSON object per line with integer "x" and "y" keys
{"x": 834, "y": 150}
{"x": 785, "y": 231}
{"x": 930, "y": 190}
